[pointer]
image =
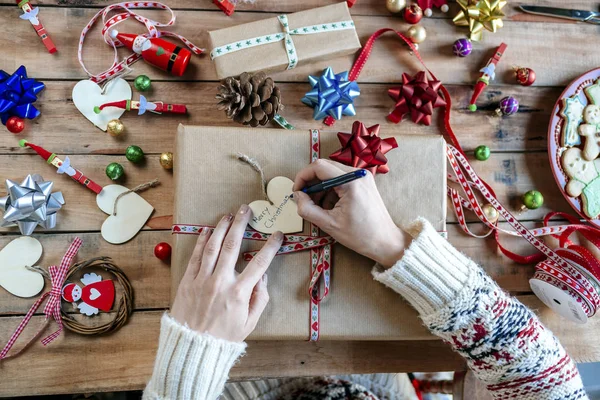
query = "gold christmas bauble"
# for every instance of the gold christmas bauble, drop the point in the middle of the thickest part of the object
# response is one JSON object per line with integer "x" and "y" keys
{"x": 395, "y": 6}
{"x": 166, "y": 160}
{"x": 115, "y": 127}
{"x": 490, "y": 213}
{"x": 416, "y": 34}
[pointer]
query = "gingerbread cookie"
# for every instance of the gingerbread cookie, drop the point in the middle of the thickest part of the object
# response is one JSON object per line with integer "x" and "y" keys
{"x": 591, "y": 131}
{"x": 572, "y": 113}
{"x": 584, "y": 180}
{"x": 592, "y": 92}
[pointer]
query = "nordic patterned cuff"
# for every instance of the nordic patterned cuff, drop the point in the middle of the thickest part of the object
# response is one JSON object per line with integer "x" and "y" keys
{"x": 430, "y": 273}
{"x": 190, "y": 365}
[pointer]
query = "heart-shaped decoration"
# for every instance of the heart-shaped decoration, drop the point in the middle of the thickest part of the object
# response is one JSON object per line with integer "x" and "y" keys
{"x": 87, "y": 95}
{"x": 132, "y": 213}
{"x": 14, "y": 276}
{"x": 282, "y": 215}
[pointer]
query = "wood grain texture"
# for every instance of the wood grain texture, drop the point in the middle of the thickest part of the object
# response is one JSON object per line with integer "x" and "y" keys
{"x": 530, "y": 44}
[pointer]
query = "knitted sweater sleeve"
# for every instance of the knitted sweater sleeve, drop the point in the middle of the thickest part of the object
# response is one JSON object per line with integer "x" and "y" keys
{"x": 503, "y": 342}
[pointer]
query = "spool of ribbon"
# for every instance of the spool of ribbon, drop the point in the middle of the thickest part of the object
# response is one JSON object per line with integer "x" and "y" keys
{"x": 363, "y": 148}
{"x": 480, "y": 15}
{"x": 52, "y": 308}
{"x": 417, "y": 96}
{"x": 18, "y": 92}
{"x": 119, "y": 67}
{"x": 331, "y": 95}
{"x": 318, "y": 245}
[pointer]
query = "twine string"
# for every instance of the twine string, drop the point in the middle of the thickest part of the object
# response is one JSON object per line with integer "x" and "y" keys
{"x": 257, "y": 167}
{"x": 137, "y": 189}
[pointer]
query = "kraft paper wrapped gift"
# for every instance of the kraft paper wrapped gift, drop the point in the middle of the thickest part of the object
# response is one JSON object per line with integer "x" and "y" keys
{"x": 318, "y": 34}
{"x": 211, "y": 182}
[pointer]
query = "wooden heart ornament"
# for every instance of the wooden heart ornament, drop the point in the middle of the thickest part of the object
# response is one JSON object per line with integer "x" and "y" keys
{"x": 282, "y": 215}
{"x": 87, "y": 95}
{"x": 14, "y": 258}
{"x": 132, "y": 213}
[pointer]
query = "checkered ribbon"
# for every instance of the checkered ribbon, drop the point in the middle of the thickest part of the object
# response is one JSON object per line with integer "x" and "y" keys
{"x": 119, "y": 67}
{"x": 52, "y": 308}
{"x": 320, "y": 247}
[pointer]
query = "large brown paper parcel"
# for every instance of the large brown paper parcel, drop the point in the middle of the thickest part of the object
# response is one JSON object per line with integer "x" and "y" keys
{"x": 273, "y": 56}
{"x": 211, "y": 182}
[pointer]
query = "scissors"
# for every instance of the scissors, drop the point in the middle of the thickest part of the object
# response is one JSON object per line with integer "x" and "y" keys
{"x": 575, "y": 15}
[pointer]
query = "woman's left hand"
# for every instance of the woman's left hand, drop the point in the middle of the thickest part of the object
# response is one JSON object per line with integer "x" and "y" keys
{"x": 213, "y": 297}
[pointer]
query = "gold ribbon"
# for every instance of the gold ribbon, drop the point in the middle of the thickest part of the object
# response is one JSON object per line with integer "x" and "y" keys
{"x": 479, "y": 15}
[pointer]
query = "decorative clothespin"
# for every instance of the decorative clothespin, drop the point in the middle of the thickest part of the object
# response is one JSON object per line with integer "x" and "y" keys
{"x": 225, "y": 6}
{"x": 157, "y": 107}
{"x": 31, "y": 14}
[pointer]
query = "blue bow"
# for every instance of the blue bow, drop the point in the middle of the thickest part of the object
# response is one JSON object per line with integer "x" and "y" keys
{"x": 332, "y": 95}
{"x": 17, "y": 93}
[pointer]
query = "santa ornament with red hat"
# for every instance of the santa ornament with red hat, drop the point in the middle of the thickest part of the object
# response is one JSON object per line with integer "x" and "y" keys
{"x": 95, "y": 295}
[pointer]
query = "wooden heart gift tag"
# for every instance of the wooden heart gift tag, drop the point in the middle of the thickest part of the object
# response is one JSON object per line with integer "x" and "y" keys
{"x": 282, "y": 215}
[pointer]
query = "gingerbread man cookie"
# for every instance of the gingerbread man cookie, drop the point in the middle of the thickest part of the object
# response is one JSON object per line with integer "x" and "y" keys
{"x": 572, "y": 114}
{"x": 584, "y": 180}
{"x": 591, "y": 131}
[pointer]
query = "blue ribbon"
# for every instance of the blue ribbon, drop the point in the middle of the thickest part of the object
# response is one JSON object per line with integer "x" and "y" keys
{"x": 331, "y": 94}
{"x": 17, "y": 93}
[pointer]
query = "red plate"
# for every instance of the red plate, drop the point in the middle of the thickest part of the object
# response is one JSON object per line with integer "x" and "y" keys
{"x": 554, "y": 135}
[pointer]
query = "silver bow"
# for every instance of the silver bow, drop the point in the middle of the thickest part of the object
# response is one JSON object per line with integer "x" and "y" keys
{"x": 30, "y": 204}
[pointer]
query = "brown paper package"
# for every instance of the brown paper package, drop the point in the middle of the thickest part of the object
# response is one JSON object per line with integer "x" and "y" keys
{"x": 272, "y": 57}
{"x": 211, "y": 182}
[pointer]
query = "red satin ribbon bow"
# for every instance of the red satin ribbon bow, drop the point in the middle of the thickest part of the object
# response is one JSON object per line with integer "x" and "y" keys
{"x": 363, "y": 148}
{"x": 417, "y": 96}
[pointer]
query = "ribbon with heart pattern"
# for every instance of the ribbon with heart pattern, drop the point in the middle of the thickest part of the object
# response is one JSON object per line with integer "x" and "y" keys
{"x": 119, "y": 67}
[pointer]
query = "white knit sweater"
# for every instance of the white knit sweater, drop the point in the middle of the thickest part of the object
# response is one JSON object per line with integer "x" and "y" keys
{"x": 503, "y": 342}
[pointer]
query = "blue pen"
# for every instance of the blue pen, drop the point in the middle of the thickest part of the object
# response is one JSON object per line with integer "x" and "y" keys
{"x": 331, "y": 183}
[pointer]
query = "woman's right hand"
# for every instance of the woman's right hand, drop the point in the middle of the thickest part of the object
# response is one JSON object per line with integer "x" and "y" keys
{"x": 353, "y": 214}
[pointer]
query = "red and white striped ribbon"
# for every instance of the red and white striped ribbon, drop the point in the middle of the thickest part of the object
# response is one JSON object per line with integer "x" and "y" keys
{"x": 119, "y": 67}
{"x": 52, "y": 308}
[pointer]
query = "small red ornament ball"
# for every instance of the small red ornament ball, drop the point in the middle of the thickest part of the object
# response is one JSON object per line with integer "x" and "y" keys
{"x": 15, "y": 125}
{"x": 162, "y": 251}
{"x": 413, "y": 14}
{"x": 525, "y": 76}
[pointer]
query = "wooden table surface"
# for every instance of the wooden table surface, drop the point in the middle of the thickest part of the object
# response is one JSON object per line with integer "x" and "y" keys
{"x": 557, "y": 50}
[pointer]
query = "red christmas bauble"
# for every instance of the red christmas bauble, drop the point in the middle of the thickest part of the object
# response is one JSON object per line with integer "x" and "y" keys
{"x": 15, "y": 125}
{"x": 413, "y": 14}
{"x": 525, "y": 76}
{"x": 162, "y": 251}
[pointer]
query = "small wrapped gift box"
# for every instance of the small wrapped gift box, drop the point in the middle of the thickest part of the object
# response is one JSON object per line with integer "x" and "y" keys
{"x": 211, "y": 182}
{"x": 283, "y": 42}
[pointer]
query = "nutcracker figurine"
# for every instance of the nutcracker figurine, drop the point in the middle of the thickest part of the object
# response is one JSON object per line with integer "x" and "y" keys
{"x": 157, "y": 107}
{"x": 156, "y": 51}
{"x": 31, "y": 14}
{"x": 488, "y": 73}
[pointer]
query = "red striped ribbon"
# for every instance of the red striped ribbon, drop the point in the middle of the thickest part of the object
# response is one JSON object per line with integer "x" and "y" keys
{"x": 52, "y": 308}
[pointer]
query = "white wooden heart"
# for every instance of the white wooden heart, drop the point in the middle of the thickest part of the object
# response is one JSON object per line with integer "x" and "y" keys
{"x": 132, "y": 213}
{"x": 282, "y": 215}
{"x": 14, "y": 257}
{"x": 87, "y": 95}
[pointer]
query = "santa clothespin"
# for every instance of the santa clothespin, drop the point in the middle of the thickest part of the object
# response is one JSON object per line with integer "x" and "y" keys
{"x": 225, "y": 6}
{"x": 31, "y": 14}
{"x": 427, "y": 5}
{"x": 350, "y": 3}
{"x": 157, "y": 107}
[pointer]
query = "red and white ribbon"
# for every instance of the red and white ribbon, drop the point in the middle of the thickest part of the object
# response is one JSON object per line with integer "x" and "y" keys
{"x": 52, "y": 308}
{"x": 119, "y": 67}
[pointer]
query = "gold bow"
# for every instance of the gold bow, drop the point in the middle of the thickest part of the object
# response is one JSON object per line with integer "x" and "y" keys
{"x": 479, "y": 15}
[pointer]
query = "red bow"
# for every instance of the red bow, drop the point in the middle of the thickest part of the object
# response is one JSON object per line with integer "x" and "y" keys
{"x": 363, "y": 148}
{"x": 417, "y": 95}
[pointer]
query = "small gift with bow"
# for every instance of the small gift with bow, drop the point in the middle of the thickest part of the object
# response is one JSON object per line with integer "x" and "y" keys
{"x": 284, "y": 42}
{"x": 319, "y": 289}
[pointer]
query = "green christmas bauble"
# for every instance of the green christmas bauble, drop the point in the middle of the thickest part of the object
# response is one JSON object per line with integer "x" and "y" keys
{"x": 482, "y": 153}
{"x": 135, "y": 154}
{"x": 142, "y": 83}
{"x": 533, "y": 199}
{"x": 115, "y": 171}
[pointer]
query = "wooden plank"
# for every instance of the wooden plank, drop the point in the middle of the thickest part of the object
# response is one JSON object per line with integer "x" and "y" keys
{"x": 136, "y": 258}
{"x": 62, "y": 129}
{"x": 128, "y": 364}
{"x": 389, "y": 58}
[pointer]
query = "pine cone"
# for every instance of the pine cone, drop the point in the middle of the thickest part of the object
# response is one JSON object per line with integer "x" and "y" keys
{"x": 250, "y": 99}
